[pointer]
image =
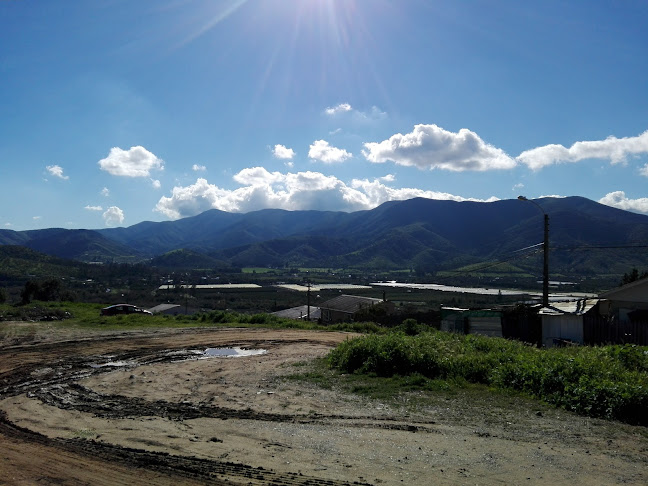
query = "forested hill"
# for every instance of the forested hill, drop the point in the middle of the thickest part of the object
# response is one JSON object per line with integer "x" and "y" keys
{"x": 417, "y": 233}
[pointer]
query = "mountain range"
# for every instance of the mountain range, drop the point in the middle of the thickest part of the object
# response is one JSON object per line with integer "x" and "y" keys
{"x": 586, "y": 238}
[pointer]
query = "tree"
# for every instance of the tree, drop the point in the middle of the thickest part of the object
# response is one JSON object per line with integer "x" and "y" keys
{"x": 26, "y": 294}
{"x": 633, "y": 276}
{"x": 3, "y": 296}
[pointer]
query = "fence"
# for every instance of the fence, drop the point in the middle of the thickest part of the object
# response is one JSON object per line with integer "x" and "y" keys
{"x": 600, "y": 330}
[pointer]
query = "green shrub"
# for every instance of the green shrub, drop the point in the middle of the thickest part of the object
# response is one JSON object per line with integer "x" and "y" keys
{"x": 609, "y": 382}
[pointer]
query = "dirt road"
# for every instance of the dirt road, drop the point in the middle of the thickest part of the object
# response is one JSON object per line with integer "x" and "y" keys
{"x": 146, "y": 407}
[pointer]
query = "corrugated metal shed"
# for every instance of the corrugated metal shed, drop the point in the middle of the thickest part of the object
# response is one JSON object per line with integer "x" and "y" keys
{"x": 484, "y": 322}
{"x": 562, "y": 322}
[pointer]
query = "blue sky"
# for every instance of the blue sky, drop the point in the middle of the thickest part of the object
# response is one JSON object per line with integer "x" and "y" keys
{"x": 114, "y": 112}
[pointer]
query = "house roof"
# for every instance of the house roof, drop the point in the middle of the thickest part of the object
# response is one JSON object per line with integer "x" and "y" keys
{"x": 299, "y": 312}
{"x": 634, "y": 291}
{"x": 576, "y": 307}
{"x": 349, "y": 303}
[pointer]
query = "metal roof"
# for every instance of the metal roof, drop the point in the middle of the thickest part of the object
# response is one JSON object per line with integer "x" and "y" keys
{"x": 299, "y": 312}
{"x": 610, "y": 294}
{"x": 576, "y": 307}
{"x": 163, "y": 307}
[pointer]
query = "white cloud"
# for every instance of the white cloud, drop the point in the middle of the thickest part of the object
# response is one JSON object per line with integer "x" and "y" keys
{"x": 93, "y": 208}
{"x": 156, "y": 183}
{"x": 113, "y": 216}
{"x": 292, "y": 191}
{"x": 376, "y": 193}
{"x": 616, "y": 150}
{"x": 135, "y": 162}
{"x": 618, "y": 199}
{"x": 105, "y": 192}
{"x": 518, "y": 186}
{"x": 8, "y": 225}
{"x": 644, "y": 170}
{"x": 198, "y": 168}
{"x": 341, "y": 108}
{"x": 56, "y": 171}
{"x": 322, "y": 151}
{"x": 374, "y": 113}
{"x": 282, "y": 152}
{"x": 556, "y": 196}
{"x": 432, "y": 147}
{"x": 36, "y": 218}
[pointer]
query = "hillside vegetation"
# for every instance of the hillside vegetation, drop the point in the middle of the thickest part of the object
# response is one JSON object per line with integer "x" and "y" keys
{"x": 587, "y": 239}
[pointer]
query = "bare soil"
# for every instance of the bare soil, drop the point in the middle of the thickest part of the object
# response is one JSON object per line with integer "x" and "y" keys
{"x": 79, "y": 407}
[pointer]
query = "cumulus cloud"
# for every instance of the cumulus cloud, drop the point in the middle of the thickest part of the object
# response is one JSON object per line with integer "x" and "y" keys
{"x": 105, "y": 192}
{"x": 616, "y": 150}
{"x": 644, "y": 170}
{"x": 618, "y": 199}
{"x": 322, "y": 151}
{"x": 376, "y": 193}
{"x": 282, "y": 152}
{"x": 261, "y": 189}
{"x": 93, "y": 208}
{"x": 432, "y": 147}
{"x": 341, "y": 108}
{"x": 156, "y": 183}
{"x": 56, "y": 171}
{"x": 113, "y": 216}
{"x": 198, "y": 168}
{"x": 134, "y": 162}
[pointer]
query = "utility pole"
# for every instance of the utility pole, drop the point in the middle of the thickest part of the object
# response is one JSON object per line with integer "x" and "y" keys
{"x": 308, "y": 297}
{"x": 545, "y": 251}
{"x": 545, "y": 267}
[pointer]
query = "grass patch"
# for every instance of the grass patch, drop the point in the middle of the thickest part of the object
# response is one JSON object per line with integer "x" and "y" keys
{"x": 87, "y": 316}
{"x": 319, "y": 373}
{"x": 259, "y": 270}
{"x": 609, "y": 381}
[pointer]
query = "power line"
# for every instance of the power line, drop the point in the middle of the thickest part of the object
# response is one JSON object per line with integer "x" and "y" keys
{"x": 496, "y": 263}
{"x": 604, "y": 247}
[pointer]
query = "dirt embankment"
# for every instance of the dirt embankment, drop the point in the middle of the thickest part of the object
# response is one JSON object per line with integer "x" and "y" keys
{"x": 114, "y": 408}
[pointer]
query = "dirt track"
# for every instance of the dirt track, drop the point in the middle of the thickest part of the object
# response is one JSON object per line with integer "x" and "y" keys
{"x": 124, "y": 408}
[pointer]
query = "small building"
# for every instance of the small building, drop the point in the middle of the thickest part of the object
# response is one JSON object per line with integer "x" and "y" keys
{"x": 299, "y": 313}
{"x": 628, "y": 302}
{"x": 345, "y": 308}
{"x": 485, "y": 322}
{"x": 563, "y": 322}
{"x": 171, "y": 310}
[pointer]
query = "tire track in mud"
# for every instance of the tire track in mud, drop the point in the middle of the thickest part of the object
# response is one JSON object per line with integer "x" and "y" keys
{"x": 50, "y": 372}
{"x": 184, "y": 467}
{"x": 56, "y": 385}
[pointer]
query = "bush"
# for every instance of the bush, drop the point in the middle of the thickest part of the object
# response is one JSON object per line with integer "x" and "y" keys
{"x": 608, "y": 382}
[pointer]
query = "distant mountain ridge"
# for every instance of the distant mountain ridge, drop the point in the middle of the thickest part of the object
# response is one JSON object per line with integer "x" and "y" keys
{"x": 416, "y": 233}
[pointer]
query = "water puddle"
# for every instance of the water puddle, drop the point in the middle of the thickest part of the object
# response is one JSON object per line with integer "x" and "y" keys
{"x": 231, "y": 352}
{"x": 113, "y": 364}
